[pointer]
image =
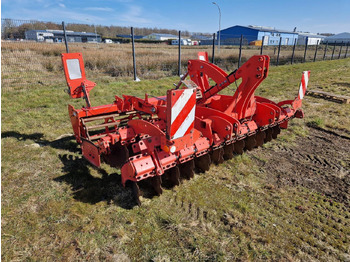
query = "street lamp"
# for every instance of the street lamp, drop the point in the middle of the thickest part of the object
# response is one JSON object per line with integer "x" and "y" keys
{"x": 219, "y": 23}
{"x": 87, "y": 19}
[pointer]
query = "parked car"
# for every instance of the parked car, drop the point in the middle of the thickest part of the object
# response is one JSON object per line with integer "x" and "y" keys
{"x": 183, "y": 42}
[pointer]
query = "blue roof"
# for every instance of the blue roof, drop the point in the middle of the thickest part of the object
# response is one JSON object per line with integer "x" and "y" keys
{"x": 344, "y": 36}
{"x": 201, "y": 37}
{"x": 129, "y": 36}
{"x": 164, "y": 35}
{"x": 263, "y": 29}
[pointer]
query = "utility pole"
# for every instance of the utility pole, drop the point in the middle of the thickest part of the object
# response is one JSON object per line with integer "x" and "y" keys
{"x": 219, "y": 24}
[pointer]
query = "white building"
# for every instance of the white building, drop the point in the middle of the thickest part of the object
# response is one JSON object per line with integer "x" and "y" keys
{"x": 160, "y": 37}
{"x": 39, "y": 35}
{"x": 312, "y": 39}
{"x": 58, "y": 36}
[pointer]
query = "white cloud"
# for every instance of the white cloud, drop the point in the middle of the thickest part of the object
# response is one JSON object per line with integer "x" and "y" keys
{"x": 103, "y": 9}
{"x": 124, "y": 1}
{"x": 61, "y": 5}
{"x": 60, "y": 14}
{"x": 134, "y": 15}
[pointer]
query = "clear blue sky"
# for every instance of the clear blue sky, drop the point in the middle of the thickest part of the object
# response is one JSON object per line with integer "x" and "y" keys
{"x": 317, "y": 16}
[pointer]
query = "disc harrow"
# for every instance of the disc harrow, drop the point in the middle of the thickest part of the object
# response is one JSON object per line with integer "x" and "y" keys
{"x": 162, "y": 140}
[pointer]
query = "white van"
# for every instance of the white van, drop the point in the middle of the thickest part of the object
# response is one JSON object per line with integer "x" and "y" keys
{"x": 176, "y": 42}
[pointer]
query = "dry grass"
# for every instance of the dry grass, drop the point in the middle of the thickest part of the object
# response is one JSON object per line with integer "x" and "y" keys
{"x": 56, "y": 207}
{"x": 26, "y": 64}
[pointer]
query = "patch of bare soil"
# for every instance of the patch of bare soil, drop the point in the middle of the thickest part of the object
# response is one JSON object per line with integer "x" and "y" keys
{"x": 320, "y": 162}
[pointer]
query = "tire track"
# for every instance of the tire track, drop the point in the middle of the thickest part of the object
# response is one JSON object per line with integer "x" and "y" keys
{"x": 319, "y": 162}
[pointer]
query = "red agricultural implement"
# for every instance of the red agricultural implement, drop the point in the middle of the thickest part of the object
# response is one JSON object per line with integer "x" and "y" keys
{"x": 191, "y": 127}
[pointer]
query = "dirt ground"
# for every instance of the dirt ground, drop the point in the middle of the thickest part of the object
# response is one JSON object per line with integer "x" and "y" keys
{"x": 320, "y": 162}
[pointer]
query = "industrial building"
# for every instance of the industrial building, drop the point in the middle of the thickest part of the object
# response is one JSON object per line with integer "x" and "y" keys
{"x": 270, "y": 36}
{"x": 129, "y": 36}
{"x": 160, "y": 37}
{"x": 58, "y": 36}
{"x": 338, "y": 39}
{"x": 310, "y": 39}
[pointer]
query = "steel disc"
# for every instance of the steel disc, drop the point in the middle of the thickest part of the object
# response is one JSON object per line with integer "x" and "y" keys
{"x": 156, "y": 182}
{"x": 268, "y": 136}
{"x": 174, "y": 176}
{"x": 136, "y": 192}
{"x": 276, "y": 130}
{"x": 203, "y": 162}
{"x": 239, "y": 146}
{"x": 118, "y": 156}
{"x": 186, "y": 169}
{"x": 250, "y": 142}
{"x": 228, "y": 151}
{"x": 217, "y": 156}
{"x": 260, "y": 138}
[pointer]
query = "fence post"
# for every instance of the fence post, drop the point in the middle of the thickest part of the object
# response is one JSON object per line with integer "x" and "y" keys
{"x": 179, "y": 70}
{"x": 346, "y": 52}
{"x": 333, "y": 49}
{"x": 295, "y": 42}
{"x": 341, "y": 46}
{"x": 316, "y": 50}
{"x": 325, "y": 51}
{"x": 279, "y": 50}
{"x": 262, "y": 45}
{"x": 133, "y": 54}
{"x": 212, "y": 58}
{"x": 65, "y": 36}
{"x": 306, "y": 42}
{"x": 240, "y": 51}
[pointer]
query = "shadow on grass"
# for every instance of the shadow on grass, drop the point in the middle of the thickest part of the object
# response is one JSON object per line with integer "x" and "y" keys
{"x": 341, "y": 84}
{"x": 86, "y": 188}
{"x": 89, "y": 189}
{"x": 66, "y": 143}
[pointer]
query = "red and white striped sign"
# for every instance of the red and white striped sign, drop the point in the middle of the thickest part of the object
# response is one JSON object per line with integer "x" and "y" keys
{"x": 181, "y": 108}
{"x": 303, "y": 84}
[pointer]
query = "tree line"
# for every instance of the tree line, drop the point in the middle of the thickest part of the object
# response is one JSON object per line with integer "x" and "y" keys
{"x": 15, "y": 29}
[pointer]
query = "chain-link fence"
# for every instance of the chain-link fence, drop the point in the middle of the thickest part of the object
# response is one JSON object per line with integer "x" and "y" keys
{"x": 31, "y": 52}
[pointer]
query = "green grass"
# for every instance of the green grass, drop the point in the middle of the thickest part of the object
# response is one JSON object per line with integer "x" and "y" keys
{"x": 57, "y": 207}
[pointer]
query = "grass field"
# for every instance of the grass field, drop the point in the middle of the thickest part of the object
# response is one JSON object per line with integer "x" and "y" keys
{"x": 56, "y": 207}
{"x": 30, "y": 63}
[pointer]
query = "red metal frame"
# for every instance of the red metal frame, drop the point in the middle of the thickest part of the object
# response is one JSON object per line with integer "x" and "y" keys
{"x": 76, "y": 85}
{"x": 141, "y": 130}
